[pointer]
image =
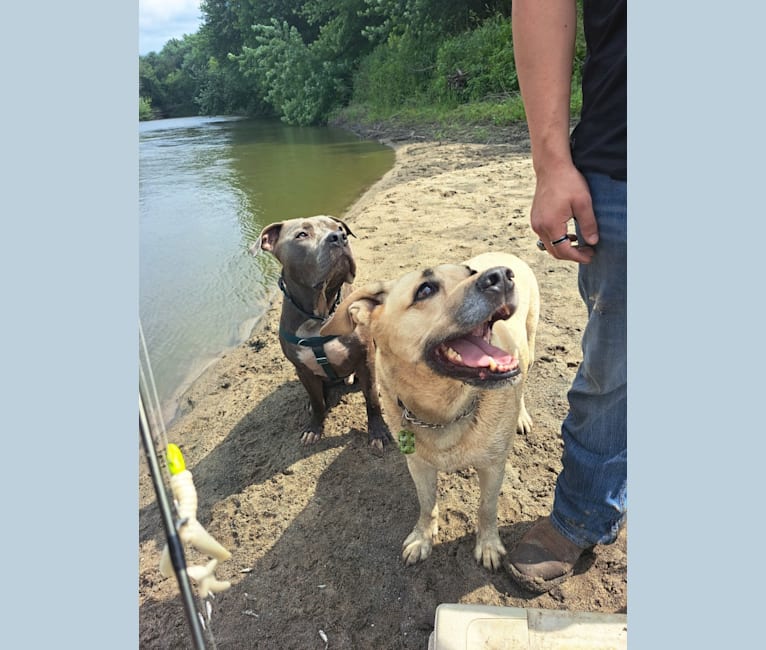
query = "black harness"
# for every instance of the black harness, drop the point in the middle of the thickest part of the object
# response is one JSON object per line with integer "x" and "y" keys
{"x": 316, "y": 343}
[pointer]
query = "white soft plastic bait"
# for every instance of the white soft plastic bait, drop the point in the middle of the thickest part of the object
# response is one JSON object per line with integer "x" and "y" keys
{"x": 190, "y": 530}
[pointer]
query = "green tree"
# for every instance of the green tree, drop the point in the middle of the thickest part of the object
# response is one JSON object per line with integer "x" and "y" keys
{"x": 476, "y": 64}
{"x": 398, "y": 72}
{"x": 149, "y": 85}
{"x": 298, "y": 84}
{"x": 303, "y": 59}
{"x": 171, "y": 79}
{"x": 144, "y": 108}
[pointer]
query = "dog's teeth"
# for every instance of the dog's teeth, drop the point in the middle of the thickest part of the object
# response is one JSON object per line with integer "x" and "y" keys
{"x": 453, "y": 355}
{"x": 493, "y": 365}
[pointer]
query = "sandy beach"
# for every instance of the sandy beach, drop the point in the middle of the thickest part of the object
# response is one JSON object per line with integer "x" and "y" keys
{"x": 315, "y": 532}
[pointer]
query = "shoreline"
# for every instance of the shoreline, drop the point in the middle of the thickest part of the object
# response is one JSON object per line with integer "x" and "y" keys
{"x": 172, "y": 409}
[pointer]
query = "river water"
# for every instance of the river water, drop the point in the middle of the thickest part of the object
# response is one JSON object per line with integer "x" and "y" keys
{"x": 207, "y": 187}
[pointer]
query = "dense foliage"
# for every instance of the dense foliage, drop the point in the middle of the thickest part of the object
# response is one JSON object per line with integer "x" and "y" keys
{"x": 301, "y": 60}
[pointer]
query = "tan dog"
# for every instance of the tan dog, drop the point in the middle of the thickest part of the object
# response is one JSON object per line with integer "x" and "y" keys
{"x": 317, "y": 267}
{"x": 452, "y": 348}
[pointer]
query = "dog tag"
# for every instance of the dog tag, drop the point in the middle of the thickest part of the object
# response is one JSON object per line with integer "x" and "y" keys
{"x": 406, "y": 441}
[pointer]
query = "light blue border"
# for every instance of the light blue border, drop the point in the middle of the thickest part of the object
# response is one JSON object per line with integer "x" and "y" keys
{"x": 696, "y": 143}
{"x": 696, "y": 352}
{"x": 69, "y": 325}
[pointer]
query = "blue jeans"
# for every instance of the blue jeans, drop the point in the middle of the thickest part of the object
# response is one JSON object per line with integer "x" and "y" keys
{"x": 590, "y": 500}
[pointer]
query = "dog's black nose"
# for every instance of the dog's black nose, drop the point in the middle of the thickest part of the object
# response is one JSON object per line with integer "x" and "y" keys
{"x": 495, "y": 277}
{"x": 338, "y": 237}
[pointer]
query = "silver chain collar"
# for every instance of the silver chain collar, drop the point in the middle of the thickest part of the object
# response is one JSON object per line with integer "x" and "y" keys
{"x": 409, "y": 416}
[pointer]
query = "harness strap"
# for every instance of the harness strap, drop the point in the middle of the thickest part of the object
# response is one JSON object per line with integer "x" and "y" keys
{"x": 316, "y": 343}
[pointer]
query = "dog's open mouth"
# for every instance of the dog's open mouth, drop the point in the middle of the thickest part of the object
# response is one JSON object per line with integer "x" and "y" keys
{"x": 471, "y": 357}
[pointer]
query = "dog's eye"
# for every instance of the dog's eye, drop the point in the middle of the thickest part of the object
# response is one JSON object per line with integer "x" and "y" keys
{"x": 425, "y": 290}
{"x": 301, "y": 235}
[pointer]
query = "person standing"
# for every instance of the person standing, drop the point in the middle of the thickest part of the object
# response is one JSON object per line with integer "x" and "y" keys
{"x": 580, "y": 178}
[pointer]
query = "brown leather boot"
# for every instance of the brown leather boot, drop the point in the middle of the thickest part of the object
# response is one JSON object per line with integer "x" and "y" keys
{"x": 543, "y": 558}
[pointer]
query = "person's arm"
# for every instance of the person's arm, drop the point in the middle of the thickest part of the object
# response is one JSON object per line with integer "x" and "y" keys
{"x": 543, "y": 39}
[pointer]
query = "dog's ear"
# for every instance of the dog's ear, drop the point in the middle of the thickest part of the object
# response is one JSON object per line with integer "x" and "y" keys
{"x": 356, "y": 309}
{"x": 345, "y": 226}
{"x": 269, "y": 236}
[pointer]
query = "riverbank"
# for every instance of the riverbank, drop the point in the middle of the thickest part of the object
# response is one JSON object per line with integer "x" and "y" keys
{"x": 400, "y": 130}
{"x": 315, "y": 533}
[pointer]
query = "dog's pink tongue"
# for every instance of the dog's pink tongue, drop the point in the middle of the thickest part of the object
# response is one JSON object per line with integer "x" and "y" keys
{"x": 476, "y": 352}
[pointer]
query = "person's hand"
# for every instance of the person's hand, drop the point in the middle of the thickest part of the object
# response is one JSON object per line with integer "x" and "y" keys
{"x": 561, "y": 195}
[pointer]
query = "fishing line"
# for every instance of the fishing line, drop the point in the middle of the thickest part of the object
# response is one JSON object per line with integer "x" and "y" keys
{"x": 151, "y": 397}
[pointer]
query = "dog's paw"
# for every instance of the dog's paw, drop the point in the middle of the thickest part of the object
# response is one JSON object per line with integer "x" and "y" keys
{"x": 489, "y": 552}
{"x": 311, "y": 437}
{"x": 380, "y": 435}
{"x": 417, "y": 547}
{"x": 524, "y": 424}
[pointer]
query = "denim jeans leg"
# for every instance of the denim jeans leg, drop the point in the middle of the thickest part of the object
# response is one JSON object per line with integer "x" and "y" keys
{"x": 590, "y": 500}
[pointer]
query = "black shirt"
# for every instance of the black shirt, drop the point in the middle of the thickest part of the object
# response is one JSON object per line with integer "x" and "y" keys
{"x": 599, "y": 142}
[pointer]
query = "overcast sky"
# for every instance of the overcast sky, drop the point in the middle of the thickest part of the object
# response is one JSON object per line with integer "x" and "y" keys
{"x": 161, "y": 20}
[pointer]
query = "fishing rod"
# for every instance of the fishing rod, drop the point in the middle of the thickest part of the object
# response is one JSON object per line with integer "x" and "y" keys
{"x": 173, "y": 541}
{"x": 174, "y": 544}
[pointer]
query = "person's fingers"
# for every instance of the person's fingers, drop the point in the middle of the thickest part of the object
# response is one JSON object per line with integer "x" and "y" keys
{"x": 586, "y": 221}
{"x": 568, "y": 237}
{"x": 557, "y": 201}
{"x": 573, "y": 253}
{"x": 566, "y": 248}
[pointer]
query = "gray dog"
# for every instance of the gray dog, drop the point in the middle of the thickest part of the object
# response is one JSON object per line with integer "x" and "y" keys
{"x": 317, "y": 265}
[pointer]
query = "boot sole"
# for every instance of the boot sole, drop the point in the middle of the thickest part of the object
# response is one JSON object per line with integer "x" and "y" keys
{"x": 535, "y": 584}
